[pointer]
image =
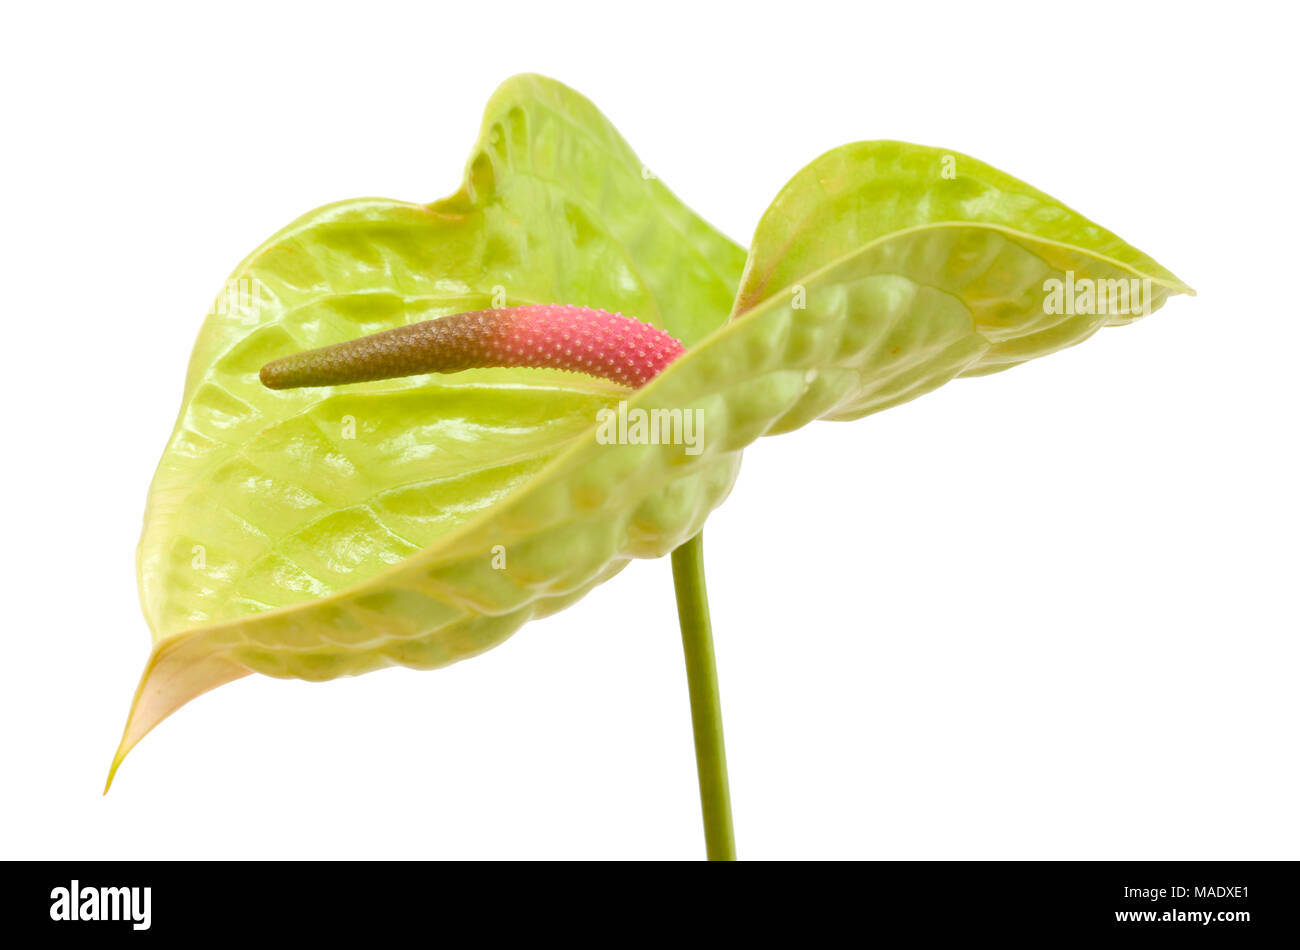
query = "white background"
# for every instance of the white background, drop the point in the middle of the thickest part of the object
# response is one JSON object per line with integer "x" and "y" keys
{"x": 1047, "y": 614}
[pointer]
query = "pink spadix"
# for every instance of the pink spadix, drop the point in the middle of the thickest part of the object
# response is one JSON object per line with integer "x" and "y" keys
{"x": 577, "y": 339}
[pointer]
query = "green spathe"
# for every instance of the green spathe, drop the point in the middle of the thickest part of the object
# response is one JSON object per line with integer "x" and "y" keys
{"x": 322, "y": 533}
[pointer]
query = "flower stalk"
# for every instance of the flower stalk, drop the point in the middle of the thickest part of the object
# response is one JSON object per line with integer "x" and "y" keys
{"x": 706, "y": 703}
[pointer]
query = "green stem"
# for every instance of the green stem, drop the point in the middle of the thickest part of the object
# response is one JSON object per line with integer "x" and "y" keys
{"x": 706, "y": 706}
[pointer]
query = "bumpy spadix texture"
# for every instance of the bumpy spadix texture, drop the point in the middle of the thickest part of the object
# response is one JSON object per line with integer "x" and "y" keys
{"x": 316, "y": 533}
{"x": 577, "y": 339}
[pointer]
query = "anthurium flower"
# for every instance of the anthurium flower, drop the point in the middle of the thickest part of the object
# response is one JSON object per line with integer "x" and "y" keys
{"x": 346, "y": 525}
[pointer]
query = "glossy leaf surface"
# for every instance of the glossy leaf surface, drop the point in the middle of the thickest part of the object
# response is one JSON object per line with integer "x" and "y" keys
{"x": 267, "y": 500}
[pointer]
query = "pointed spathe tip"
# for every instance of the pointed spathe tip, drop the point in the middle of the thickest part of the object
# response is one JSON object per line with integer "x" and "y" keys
{"x": 179, "y": 669}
